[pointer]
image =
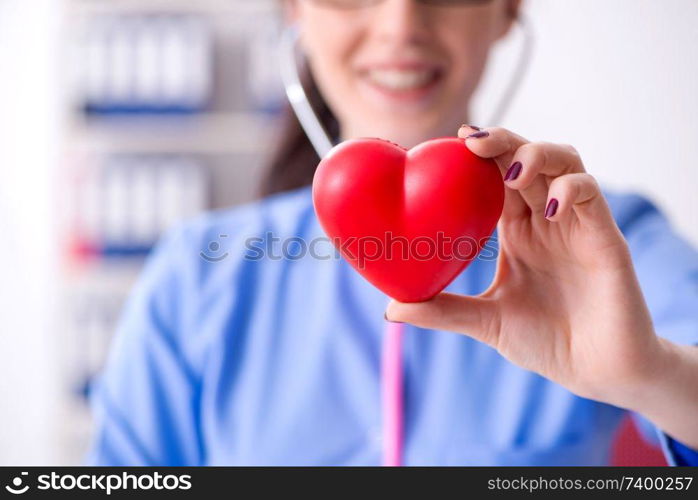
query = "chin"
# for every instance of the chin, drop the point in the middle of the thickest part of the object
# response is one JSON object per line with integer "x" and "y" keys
{"x": 402, "y": 131}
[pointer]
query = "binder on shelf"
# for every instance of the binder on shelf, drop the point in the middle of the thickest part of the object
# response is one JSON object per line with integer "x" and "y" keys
{"x": 146, "y": 64}
{"x": 132, "y": 199}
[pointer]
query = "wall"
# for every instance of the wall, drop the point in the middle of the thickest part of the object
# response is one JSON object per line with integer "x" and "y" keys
{"x": 619, "y": 81}
{"x": 28, "y": 145}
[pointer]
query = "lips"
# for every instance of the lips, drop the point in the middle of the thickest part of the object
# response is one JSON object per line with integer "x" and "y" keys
{"x": 400, "y": 83}
{"x": 401, "y": 79}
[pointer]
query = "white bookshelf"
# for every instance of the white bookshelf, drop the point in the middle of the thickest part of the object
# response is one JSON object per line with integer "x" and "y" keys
{"x": 230, "y": 136}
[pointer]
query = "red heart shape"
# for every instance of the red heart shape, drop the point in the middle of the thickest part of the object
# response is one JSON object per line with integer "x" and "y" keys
{"x": 408, "y": 221}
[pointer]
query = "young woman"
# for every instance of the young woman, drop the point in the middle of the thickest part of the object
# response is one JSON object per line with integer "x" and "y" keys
{"x": 242, "y": 357}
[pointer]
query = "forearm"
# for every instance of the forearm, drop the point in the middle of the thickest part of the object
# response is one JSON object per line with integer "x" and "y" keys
{"x": 670, "y": 398}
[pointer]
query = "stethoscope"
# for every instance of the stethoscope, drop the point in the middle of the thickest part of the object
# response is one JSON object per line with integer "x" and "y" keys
{"x": 391, "y": 357}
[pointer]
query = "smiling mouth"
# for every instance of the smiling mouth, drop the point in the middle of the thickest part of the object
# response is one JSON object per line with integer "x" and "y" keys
{"x": 403, "y": 84}
{"x": 402, "y": 79}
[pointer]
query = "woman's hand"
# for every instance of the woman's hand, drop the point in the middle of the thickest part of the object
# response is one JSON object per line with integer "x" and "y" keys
{"x": 565, "y": 301}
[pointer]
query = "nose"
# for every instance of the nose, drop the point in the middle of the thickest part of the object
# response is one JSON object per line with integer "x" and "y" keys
{"x": 400, "y": 22}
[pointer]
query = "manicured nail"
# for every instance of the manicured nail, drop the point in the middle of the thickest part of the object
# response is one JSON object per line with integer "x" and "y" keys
{"x": 551, "y": 208}
{"x": 470, "y": 126}
{"x": 513, "y": 171}
{"x": 385, "y": 317}
{"x": 478, "y": 135}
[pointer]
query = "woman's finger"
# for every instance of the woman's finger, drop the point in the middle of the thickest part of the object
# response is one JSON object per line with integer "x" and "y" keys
{"x": 579, "y": 195}
{"x": 477, "y": 317}
{"x": 534, "y": 161}
{"x": 536, "y": 158}
{"x": 497, "y": 143}
{"x": 500, "y": 145}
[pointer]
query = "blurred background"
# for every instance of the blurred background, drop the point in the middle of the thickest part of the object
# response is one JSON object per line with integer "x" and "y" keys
{"x": 119, "y": 118}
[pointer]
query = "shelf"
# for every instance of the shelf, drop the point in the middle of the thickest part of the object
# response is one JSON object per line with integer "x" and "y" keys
{"x": 216, "y": 7}
{"x": 116, "y": 272}
{"x": 209, "y": 133}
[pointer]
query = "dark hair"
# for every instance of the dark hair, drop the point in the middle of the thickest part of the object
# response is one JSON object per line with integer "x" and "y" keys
{"x": 293, "y": 162}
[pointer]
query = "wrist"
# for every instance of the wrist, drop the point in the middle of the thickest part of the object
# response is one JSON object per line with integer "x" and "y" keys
{"x": 654, "y": 374}
{"x": 670, "y": 399}
{"x": 657, "y": 378}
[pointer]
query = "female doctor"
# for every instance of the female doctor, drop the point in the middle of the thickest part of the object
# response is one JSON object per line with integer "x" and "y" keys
{"x": 229, "y": 354}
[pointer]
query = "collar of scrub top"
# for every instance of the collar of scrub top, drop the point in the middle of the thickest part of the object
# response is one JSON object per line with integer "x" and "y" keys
{"x": 392, "y": 388}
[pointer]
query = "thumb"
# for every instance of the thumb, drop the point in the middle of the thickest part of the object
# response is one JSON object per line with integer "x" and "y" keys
{"x": 477, "y": 317}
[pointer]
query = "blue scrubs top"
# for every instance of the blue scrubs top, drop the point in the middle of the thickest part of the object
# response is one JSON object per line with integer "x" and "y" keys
{"x": 228, "y": 354}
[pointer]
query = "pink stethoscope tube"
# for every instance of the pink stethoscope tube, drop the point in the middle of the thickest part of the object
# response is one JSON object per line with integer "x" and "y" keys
{"x": 392, "y": 394}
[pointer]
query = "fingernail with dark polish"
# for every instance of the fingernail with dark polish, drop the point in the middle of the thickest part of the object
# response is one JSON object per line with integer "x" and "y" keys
{"x": 385, "y": 317}
{"x": 478, "y": 135}
{"x": 551, "y": 208}
{"x": 513, "y": 171}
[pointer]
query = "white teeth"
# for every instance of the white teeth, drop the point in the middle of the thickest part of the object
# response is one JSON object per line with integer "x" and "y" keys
{"x": 400, "y": 79}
